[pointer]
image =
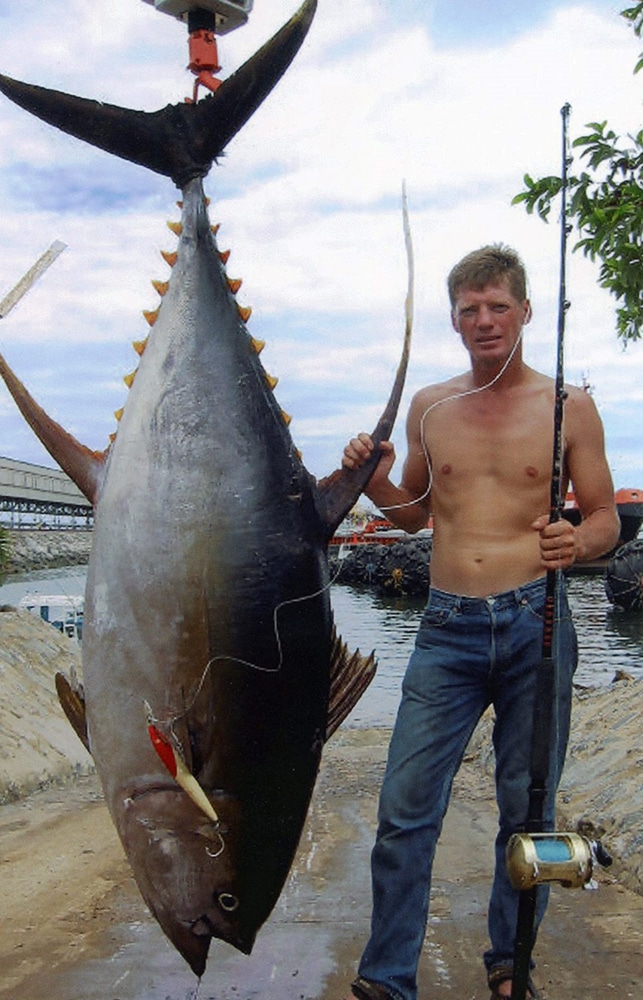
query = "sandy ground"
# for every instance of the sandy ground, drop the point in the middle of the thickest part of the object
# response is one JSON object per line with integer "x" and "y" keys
{"x": 72, "y": 924}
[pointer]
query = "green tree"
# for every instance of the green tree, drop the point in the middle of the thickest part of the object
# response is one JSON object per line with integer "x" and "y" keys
{"x": 606, "y": 203}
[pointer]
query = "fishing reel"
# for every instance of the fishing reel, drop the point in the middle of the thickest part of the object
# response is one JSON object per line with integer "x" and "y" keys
{"x": 566, "y": 858}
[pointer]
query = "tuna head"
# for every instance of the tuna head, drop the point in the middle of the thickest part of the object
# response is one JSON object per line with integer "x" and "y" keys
{"x": 185, "y": 868}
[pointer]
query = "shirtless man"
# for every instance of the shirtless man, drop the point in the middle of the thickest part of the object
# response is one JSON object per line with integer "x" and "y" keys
{"x": 480, "y": 460}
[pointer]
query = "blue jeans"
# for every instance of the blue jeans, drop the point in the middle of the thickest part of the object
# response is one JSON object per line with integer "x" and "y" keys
{"x": 469, "y": 653}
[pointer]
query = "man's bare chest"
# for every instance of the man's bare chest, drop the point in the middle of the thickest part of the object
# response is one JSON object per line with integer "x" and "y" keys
{"x": 512, "y": 452}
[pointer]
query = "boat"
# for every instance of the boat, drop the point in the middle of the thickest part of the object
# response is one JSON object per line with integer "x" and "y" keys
{"x": 629, "y": 504}
{"x": 376, "y": 531}
{"x": 62, "y": 611}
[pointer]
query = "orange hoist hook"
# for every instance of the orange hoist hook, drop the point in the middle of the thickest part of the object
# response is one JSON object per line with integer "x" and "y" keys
{"x": 204, "y": 55}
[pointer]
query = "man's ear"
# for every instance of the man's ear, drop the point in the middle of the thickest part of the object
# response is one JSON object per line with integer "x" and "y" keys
{"x": 454, "y": 321}
{"x": 528, "y": 311}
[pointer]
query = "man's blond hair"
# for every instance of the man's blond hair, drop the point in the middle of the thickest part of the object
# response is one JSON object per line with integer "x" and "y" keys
{"x": 486, "y": 266}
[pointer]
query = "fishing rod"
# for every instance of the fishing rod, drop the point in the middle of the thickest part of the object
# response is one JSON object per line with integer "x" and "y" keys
{"x": 548, "y": 848}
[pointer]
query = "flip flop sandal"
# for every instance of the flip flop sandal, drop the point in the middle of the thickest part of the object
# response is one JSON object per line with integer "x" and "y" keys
{"x": 502, "y": 974}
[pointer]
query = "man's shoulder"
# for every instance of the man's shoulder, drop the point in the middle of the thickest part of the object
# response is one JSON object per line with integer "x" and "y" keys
{"x": 579, "y": 407}
{"x": 441, "y": 390}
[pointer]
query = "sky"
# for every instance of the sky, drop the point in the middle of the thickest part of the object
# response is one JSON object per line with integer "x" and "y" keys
{"x": 456, "y": 99}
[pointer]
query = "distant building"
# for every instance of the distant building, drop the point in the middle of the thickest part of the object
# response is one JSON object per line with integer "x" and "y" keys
{"x": 34, "y": 496}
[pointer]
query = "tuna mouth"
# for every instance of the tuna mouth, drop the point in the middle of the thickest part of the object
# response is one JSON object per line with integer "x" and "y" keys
{"x": 151, "y": 787}
{"x": 193, "y": 942}
{"x": 206, "y": 927}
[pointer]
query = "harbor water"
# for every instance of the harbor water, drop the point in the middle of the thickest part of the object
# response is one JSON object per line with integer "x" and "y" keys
{"x": 610, "y": 640}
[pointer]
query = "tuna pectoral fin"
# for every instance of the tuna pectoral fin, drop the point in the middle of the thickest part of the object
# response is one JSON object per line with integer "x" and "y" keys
{"x": 339, "y": 491}
{"x": 350, "y": 675}
{"x": 182, "y": 140}
{"x": 72, "y": 700}
{"x": 85, "y": 467}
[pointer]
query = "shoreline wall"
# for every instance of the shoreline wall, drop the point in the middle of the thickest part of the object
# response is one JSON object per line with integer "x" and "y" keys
{"x": 45, "y": 549}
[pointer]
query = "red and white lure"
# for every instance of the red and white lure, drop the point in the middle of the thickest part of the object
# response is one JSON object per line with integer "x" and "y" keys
{"x": 179, "y": 771}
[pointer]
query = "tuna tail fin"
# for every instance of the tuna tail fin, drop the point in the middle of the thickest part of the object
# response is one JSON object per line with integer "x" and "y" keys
{"x": 338, "y": 492}
{"x": 181, "y": 141}
{"x": 83, "y": 466}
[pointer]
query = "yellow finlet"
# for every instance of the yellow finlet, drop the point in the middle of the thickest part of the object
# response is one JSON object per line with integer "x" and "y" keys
{"x": 271, "y": 380}
{"x": 245, "y": 312}
{"x": 139, "y": 346}
{"x": 175, "y": 227}
{"x": 119, "y": 413}
{"x": 286, "y": 418}
{"x": 161, "y": 287}
{"x": 112, "y": 438}
{"x": 151, "y": 315}
{"x": 215, "y": 228}
{"x": 234, "y": 284}
{"x": 169, "y": 257}
{"x": 257, "y": 345}
{"x": 224, "y": 256}
{"x": 129, "y": 379}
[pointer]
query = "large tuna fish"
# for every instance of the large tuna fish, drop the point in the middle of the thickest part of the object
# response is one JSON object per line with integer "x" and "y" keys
{"x": 207, "y": 610}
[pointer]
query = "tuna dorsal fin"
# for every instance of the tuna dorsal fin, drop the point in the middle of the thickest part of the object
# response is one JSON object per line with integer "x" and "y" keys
{"x": 72, "y": 699}
{"x": 182, "y": 140}
{"x": 350, "y": 675}
{"x": 83, "y": 466}
{"x": 340, "y": 491}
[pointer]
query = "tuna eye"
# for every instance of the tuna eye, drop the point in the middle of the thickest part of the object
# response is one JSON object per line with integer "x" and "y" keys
{"x": 228, "y": 902}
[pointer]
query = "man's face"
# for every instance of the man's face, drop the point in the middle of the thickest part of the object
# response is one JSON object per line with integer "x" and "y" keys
{"x": 489, "y": 320}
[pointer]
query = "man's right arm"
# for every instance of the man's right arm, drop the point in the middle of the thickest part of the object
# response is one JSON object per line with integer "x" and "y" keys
{"x": 408, "y": 505}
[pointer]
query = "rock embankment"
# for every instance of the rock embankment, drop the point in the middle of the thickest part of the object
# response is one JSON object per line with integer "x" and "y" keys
{"x": 601, "y": 791}
{"x": 37, "y": 744}
{"x": 31, "y": 550}
{"x": 401, "y": 568}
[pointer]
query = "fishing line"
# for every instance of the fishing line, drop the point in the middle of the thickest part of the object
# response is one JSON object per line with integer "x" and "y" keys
{"x": 174, "y": 757}
{"x": 448, "y": 399}
{"x": 169, "y": 722}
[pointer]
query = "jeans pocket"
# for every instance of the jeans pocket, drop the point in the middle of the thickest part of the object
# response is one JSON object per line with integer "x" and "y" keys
{"x": 534, "y": 606}
{"x": 436, "y": 616}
